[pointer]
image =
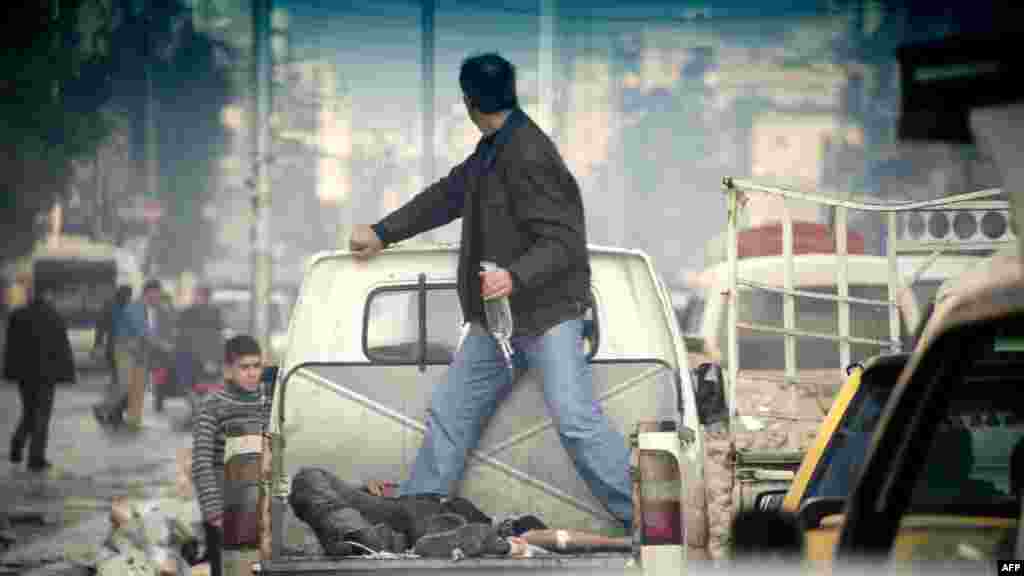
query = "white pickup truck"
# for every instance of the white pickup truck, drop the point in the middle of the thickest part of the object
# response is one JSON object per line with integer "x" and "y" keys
{"x": 367, "y": 341}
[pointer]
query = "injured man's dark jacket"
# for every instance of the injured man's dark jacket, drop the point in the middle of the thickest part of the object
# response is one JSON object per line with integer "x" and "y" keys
{"x": 346, "y": 518}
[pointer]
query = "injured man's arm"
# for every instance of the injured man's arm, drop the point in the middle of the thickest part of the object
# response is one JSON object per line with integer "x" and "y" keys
{"x": 382, "y": 488}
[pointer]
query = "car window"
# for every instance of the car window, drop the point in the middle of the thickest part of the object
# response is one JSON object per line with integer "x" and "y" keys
{"x": 968, "y": 465}
{"x": 391, "y": 327}
{"x": 80, "y": 289}
{"x": 392, "y": 324}
{"x": 837, "y": 470}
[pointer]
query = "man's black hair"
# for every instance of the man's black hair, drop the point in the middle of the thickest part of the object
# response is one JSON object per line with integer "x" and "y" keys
{"x": 239, "y": 346}
{"x": 151, "y": 285}
{"x": 489, "y": 81}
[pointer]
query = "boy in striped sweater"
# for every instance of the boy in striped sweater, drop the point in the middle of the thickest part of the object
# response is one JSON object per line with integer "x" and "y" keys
{"x": 226, "y": 445}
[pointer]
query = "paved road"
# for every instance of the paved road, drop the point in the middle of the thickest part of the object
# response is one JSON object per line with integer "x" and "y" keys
{"x": 91, "y": 466}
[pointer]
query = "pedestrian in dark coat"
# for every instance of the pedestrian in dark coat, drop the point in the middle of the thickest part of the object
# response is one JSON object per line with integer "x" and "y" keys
{"x": 37, "y": 357}
{"x": 199, "y": 346}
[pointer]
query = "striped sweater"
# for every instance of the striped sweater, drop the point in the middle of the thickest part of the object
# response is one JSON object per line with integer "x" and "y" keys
{"x": 232, "y": 408}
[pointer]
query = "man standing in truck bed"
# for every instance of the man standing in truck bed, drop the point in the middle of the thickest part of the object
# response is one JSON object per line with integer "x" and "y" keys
{"x": 520, "y": 208}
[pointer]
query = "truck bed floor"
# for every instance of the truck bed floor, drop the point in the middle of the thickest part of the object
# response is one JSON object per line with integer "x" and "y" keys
{"x": 585, "y": 564}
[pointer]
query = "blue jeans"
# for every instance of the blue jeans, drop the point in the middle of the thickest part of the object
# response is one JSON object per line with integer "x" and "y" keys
{"x": 477, "y": 380}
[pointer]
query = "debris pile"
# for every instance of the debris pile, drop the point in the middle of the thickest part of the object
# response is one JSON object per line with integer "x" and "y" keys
{"x": 158, "y": 536}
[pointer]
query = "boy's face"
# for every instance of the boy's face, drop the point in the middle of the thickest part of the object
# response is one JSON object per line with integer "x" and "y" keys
{"x": 245, "y": 371}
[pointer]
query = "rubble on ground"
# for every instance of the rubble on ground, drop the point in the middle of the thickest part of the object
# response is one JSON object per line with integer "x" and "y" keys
{"x": 159, "y": 535}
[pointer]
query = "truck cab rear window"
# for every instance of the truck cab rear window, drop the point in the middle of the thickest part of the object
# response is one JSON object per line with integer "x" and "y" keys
{"x": 391, "y": 331}
{"x": 391, "y": 326}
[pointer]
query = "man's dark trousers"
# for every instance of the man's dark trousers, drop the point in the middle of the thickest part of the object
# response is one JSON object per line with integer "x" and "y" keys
{"x": 214, "y": 546}
{"x": 36, "y": 410}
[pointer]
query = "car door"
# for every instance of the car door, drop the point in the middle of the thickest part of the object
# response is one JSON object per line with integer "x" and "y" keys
{"x": 933, "y": 486}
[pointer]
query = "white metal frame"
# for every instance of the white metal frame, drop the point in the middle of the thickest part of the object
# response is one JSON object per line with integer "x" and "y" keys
{"x": 737, "y": 190}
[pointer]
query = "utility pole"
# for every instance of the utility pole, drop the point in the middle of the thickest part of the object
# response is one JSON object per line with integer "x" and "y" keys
{"x": 261, "y": 156}
{"x": 427, "y": 71}
{"x": 151, "y": 161}
{"x": 51, "y": 235}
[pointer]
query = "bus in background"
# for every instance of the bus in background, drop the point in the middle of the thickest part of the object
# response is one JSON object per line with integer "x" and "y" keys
{"x": 83, "y": 275}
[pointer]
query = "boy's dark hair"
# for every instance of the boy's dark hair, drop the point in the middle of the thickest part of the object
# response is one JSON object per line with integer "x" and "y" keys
{"x": 489, "y": 81}
{"x": 152, "y": 284}
{"x": 241, "y": 345}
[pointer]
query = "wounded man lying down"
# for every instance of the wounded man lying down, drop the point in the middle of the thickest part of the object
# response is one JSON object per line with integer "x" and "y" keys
{"x": 341, "y": 513}
{"x": 349, "y": 519}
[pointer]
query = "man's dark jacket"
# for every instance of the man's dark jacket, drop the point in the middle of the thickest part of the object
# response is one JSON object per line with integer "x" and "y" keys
{"x": 37, "y": 347}
{"x": 521, "y": 208}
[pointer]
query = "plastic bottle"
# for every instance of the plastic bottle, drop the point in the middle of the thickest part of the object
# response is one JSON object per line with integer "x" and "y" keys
{"x": 499, "y": 318}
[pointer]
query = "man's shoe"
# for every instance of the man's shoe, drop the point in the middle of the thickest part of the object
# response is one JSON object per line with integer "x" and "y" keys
{"x": 468, "y": 541}
{"x": 103, "y": 416}
{"x": 40, "y": 466}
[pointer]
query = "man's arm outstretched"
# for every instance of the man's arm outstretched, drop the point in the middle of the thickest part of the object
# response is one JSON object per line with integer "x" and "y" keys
{"x": 437, "y": 205}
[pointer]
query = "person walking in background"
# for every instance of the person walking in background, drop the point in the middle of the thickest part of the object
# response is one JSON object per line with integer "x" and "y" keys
{"x": 161, "y": 360}
{"x": 37, "y": 356}
{"x": 111, "y": 411}
{"x": 199, "y": 346}
{"x": 226, "y": 433}
{"x": 136, "y": 342}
